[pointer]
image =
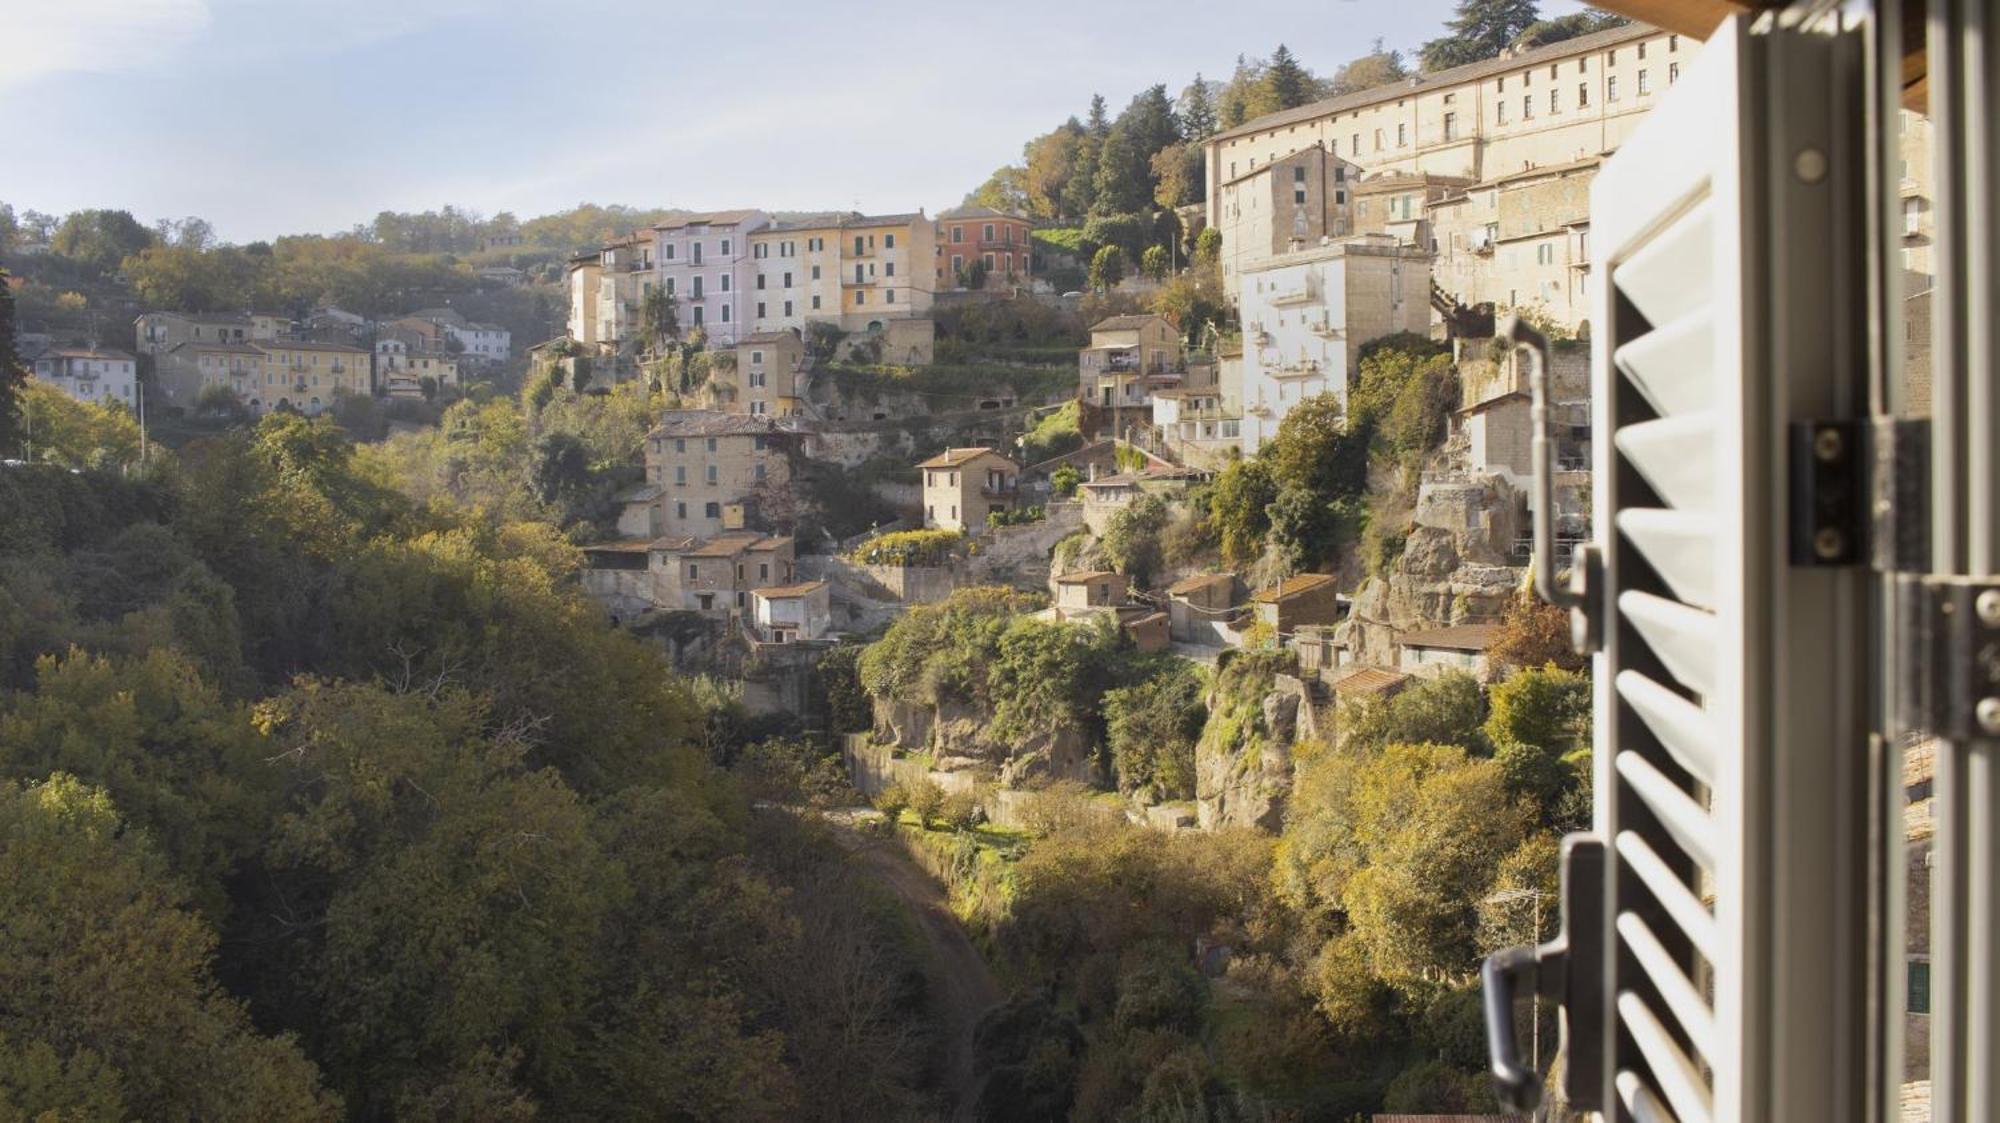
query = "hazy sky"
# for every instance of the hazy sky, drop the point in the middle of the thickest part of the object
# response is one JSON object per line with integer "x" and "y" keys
{"x": 277, "y": 116}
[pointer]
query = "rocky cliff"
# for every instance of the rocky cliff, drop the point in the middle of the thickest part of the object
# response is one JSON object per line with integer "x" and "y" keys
{"x": 1455, "y": 567}
{"x": 1243, "y": 762}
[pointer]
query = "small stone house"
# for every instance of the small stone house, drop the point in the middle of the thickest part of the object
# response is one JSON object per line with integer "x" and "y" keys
{"x": 1128, "y": 358}
{"x": 1309, "y": 598}
{"x": 962, "y": 486}
{"x": 1095, "y": 588}
{"x": 1431, "y": 653}
{"x": 792, "y": 613}
{"x": 718, "y": 576}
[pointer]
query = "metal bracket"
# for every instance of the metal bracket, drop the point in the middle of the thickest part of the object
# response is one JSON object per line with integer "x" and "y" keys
{"x": 1829, "y": 493}
{"x": 1901, "y": 476}
{"x": 1583, "y": 592}
{"x": 1950, "y": 657}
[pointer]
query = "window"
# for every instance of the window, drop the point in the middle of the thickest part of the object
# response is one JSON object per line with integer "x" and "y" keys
{"x": 857, "y": 273}
{"x": 815, "y": 303}
{"x": 1450, "y": 98}
{"x": 788, "y": 280}
{"x": 1500, "y": 84}
{"x": 987, "y": 233}
{"x": 680, "y": 444}
{"x": 1299, "y": 174}
{"x": 712, "y": 475}
{"x": 1402, "y": 135}
{"x": 697, "y": 315}
{"x": 759, "y": 470}
{"x": 670, "y": 251}
{"x": 725, "y": 313}
{"x": 696, "y": 251}
{"x": 1527, "y": 109}
{"x": 1299, "y": 195}
{"x": 1673, "y": 73}
{"x": 680, "y": 475}
{"x": 1378, "y": 140}
{"x": 1913, "y": 212}
{"x": 1642, "y": 52}
{"x": 1499, "y": 112}
{"x": 1583, "y": 66}
{"x": 760, "y": 310}
{"x": 760, "y": 281}
{"x": 1545, "y": 254}
{"x": 1356, "y": 146}
{"x": 711, "y": 444}
{"x": 757, "y": 408}
{"x": 759, "y": 251}
{"x": 888, "y": 241}
{"x": 670, "y": 286}
{"x": 697, "y": 287}
{"x": 1611, "y": 87}
{"x": 1643, "y": 90}
{"x": 1673, "y": 43}
{"x": 712, "y": 509}
{"x": 815, "y": 272}
{"x": 788, "y": 309}
{"x": 681, "y": 512}
{"x": 888, "y": 269}
{"x": 725, "y": 282}
{"x": 757, "y": 357}
{"x": 1527, "y": 77}
{"x": 1583, "y": 95}
{"x": 891, "y": 296}
{"x": 725, "y": 247}
{"x": 1552, "y": 71}
{"x": 1555, "y": 101}
{"x": 1920, "y": 986}
{"x": 1451, "y": 126}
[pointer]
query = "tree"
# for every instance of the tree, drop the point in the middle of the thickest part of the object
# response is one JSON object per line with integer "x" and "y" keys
{"x": 1124, "y": 174}
{"x": 1289, "y": 83}
{"x": 1177, "y": 175}
{"x": 101, "y": 238}
{"x": 1107, "y": 268}
{"x": 12, "y": 375}
{"x": 108, "y": 978}
{"x": 1480, "y": 31}
{"x": 926, "y": 801}
{"x": 1239, "y": 509}
{"x": 1152, "y": 728}
{"x": 1533, "y": 633}
{"x": 659, "y": 321}
{"x": 1541, "y": 33}
{"x": 1050, "y": 160}
{"x": 1080, "y": 190}
{"x": 1208, "y": 246}
{"x": 1153, "y": 263}
{"x": 1005, "y": 190}
{"x": 77, "y": 434}
{"x": 1197, "y": 110}
{"x": 1379, "y": 67}
{"x": 1447, "y": 710}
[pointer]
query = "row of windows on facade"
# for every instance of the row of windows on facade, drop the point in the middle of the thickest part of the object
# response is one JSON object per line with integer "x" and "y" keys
{"x": 762, "y": 250}
{"x": 1450, "y": 123}
{"x": 742, "y": 571}
{"x": 681, "y": 443}
{"x": 712, "y": 477}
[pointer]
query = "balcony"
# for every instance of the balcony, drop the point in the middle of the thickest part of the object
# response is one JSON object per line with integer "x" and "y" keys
{"x": 1305, "y": 293}
{"x": 639, "y": 267}
{"x": 1008, "y": 491}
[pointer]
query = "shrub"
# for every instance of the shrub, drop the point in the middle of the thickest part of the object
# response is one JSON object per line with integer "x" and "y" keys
{"x": 927, "y": 800}
{"x": 1064, "y": 480}
{"x": 892, "y": 801}
{"x": 908, "y": 547}
{"x": 959, "y": 811}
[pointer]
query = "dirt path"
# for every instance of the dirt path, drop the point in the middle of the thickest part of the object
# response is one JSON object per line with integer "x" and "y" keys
{"x": 962, "y": 988}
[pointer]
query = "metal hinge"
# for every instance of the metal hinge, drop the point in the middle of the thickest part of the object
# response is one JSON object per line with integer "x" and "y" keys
{"x": 1860, "y": 493}
{"x": 1948, "y": 648}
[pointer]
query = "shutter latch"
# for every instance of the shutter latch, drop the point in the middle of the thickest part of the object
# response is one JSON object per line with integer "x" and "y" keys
{"x": 1568, "y": 970}
{"x": 1582, "y": 593}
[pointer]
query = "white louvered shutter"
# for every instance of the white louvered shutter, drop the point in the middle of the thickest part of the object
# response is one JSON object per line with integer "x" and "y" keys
{"x": 1729, "y": 725}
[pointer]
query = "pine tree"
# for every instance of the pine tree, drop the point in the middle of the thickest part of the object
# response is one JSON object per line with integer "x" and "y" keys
{"x": 1124, "y": 173}
{"x": 11, "y": 374}
{"x": 1197, "y": 110}
{"x": 1289, "y": 83}
{"x": 1480, "y": 31}
{"x": 1099, "y": 124}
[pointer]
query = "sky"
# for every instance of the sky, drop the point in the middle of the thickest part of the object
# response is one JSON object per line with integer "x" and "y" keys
{"x": 270, "y": 117}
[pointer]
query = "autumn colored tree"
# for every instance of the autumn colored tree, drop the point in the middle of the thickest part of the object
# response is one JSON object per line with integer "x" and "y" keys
{"x": 1533, "y": 633}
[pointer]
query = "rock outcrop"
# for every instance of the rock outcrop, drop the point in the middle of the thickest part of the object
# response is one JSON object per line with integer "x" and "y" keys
{"x": 1454, "y": 568}
{"x": 1243, "y": 763}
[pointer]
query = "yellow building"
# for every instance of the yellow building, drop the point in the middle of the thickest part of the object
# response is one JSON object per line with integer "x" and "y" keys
{"x": 795, "y": 275}
{"x": 306, "y": 376}
{"x": 884, "y": 269}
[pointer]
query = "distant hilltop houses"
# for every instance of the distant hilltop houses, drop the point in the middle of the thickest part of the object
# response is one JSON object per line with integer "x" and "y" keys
{"x": 740, "y": 273}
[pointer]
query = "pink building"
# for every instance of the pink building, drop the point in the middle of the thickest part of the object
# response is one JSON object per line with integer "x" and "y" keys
{"x": 703, "y": 262}
{"x": 994, "y": 241}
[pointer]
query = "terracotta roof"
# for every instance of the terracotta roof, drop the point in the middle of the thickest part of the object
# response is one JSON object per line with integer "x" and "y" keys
{"x": 787, "y": 592}
{"x": 711, "y": 423}
{"x": 882, "y": 219}
{"x": 87, "y": 353}
{"x": 1462, "y": 637}
{"x": 1582, "y": 44}
{"x": 1368, "y": 680}
{"x": 1199, "y": 581}
{"x": 774, "y": 542}
{"x": 713, "y": 218}
{"x": 726, "y": 545}
{"x": 953, "y": 457}
{"x": 976, "y": 211}
{"x": 1084, "y": 577}
{"x": 1125, "y": 323}
{"x": 673, "y": 545}
{"x": 1303, "y": 583}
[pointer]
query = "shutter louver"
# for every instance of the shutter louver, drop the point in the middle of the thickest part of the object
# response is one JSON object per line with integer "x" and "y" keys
{"x": 1704, "y": 232}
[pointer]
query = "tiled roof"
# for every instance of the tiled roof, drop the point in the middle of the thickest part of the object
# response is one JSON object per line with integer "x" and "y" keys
{"x": 87, "y": 353}
{"x": 786, "y": 592}
{"x": 1199, "y": 581}
{"x": 766, "y": 545}
{"x": 1461, "y": 637}
{"x": 976, "y": 211}
{"x": 711, "y": 423}
{"x": 231, "y": 348}
{"x": 1582, "y": 44}
{"x": 619, "y": 546}
{"x": 1124, "y": 323}
{"x": 726, "y": 545}
{"x": 1292, "y": 587}
{"x": 864, "y": 220}
{"x": 1084, "y": 577}
{"x": 1368, "y": 680}
{"x": 712, "y": 218}
{"x": 953, "y": 457}
{"x": 672, "y": 545}
{"x": 769, "y": 337}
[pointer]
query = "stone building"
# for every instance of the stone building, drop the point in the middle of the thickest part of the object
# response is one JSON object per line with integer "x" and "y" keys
{"x": 182, "y": 372}
{"x": 1307, "y": 313}
{"x": 1095, "y": 588}
{"x": 1433, "y": 652}
{"x": 1520, "y": 240}
{"x": 962, "y": 486}
{"x": 1200, "y": 607}
{"x": 1309, "y": 598}
{"x": 705, "y": 461}
{"x": 792, "y": 613}
{"x": 718, "y": 576}
{"x": 159, "y": 332}
{"x": 1129, "y": 357}
{"x": 1300, "y": 198}
{"x": 771, "y": 374}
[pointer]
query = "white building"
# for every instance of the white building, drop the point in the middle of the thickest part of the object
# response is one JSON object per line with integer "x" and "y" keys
{"x": 99, "y": 375}
{"x": 790, "y": 613}
{"x": 1306, "y": 314}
